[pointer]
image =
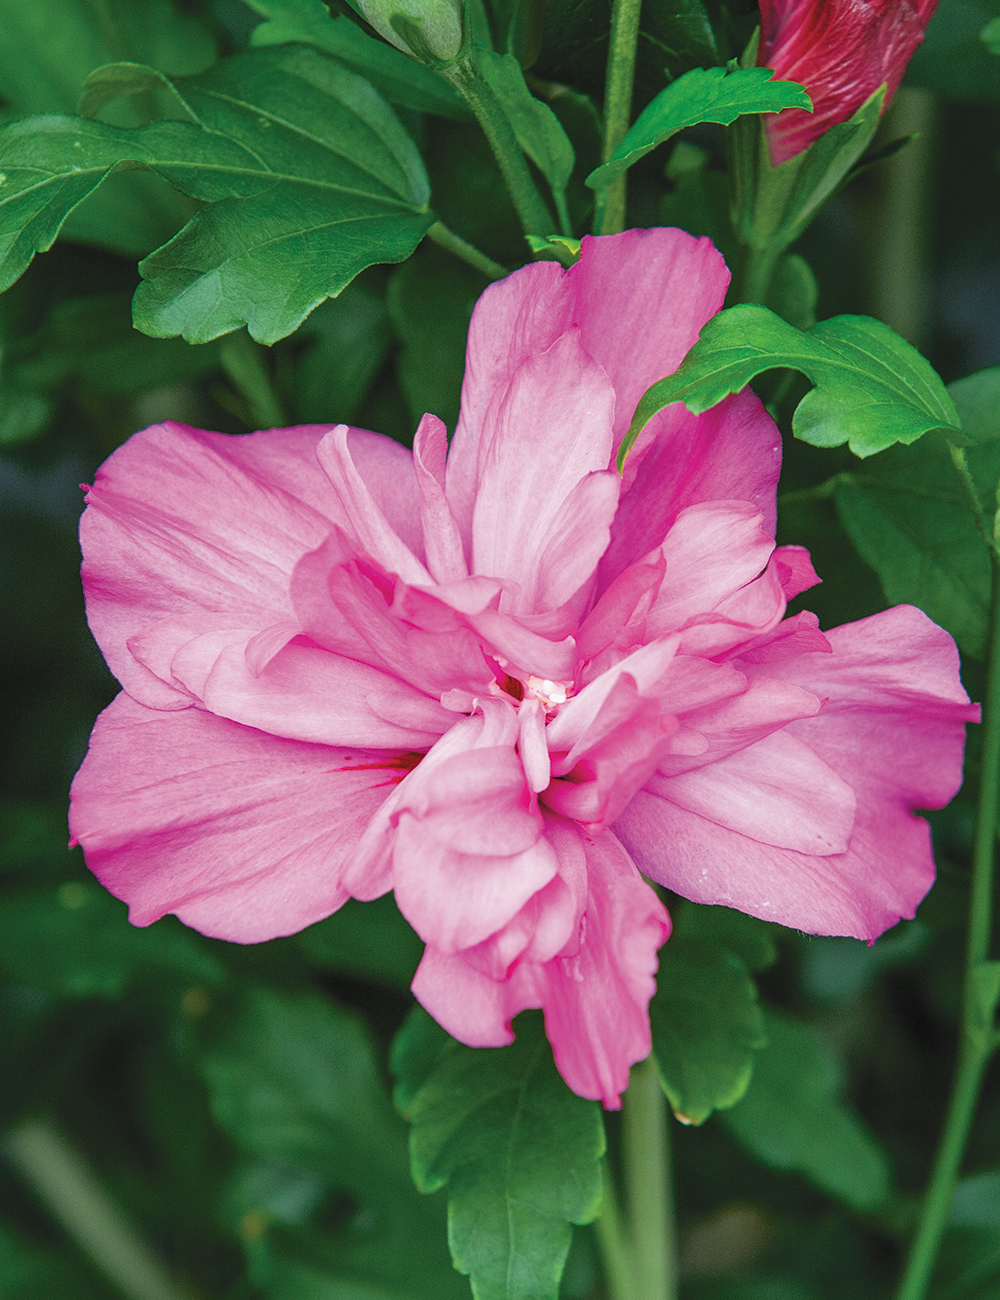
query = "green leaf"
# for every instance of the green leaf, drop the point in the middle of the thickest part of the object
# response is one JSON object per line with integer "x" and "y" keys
{"x": 46, "y": 52}
{"x": 520, "y": 1155}
{"x": 399, "y": 78}
{"x": 872, "y": 388}
{"x": 908, "y": 516}
{"x": 746, "y": 936}
{"x": 707, "y": 1026}
{"x": 295, "y": 1083}
{"x": 976, "y": 1203}
{"x": 977, "y": 399}
{"x": 538, "y": 130}
{"x": 555, "y": 248}
{"x": 92, "y": 342}
{"x": 74, "y": 940}
{"x": 430, "y": 301}
{"x": 347, "y": 341}
{"x": 792, "y": 1118}
{"x": 367, "y": 939}
{"x": 308, "y": 176}
{"x": 293, "y": 1079}
{"x": 701, "y": 95}
{"x": 990, "y": 36}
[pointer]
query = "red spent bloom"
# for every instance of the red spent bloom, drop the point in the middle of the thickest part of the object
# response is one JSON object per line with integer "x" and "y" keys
{"x": 841, "y": 51}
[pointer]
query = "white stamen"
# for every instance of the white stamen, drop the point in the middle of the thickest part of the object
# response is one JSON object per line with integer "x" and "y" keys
{"x": 551, "y": 694}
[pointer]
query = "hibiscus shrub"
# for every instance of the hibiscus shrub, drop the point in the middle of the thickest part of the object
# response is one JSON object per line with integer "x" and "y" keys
{"x": 517, "y": 853}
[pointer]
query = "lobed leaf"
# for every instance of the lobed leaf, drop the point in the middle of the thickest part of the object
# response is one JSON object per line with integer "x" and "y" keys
{"x": 46, "y": 52}
{"x": 518, "y": 1151}
{"x": 746, "y": 936}
{"x": 909, "y": 518}
{"x": 701, "y": 95}
{"x": 792, "y": 1118}
{"x": 294, "y": 1081}
{"x": 308, "y": 176}
{"x": 872, "y": 388}
{"x": 707, "y": 1026}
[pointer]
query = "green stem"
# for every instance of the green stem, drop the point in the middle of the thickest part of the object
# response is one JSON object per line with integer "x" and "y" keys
{"x": 609, "y": 217}
{"x": 613, "y": 1244}
{"x": 758, "y": 273}
{"x": 646, "y": 1152}
{"x": 445, "y": 238}
{"x": 961, "y": 463}
{"x": 534, "y": 216}
{"x": 87, "y": 1213}
{"x": 979, "y": 1040}
{"x": 243, "y": 361}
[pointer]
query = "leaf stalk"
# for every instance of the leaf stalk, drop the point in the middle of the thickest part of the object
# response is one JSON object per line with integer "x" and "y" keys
{"x": 531, "y": 209}
{"x": 455, "y": 244}
{"x": 244, "y": 362}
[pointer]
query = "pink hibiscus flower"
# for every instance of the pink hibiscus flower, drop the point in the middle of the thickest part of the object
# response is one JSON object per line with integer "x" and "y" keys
{"x": 841, "y": 51}
{"x": 499, "y": 679}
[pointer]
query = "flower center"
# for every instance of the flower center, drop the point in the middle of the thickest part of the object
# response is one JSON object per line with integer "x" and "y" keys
{"x": 551, "y": 694}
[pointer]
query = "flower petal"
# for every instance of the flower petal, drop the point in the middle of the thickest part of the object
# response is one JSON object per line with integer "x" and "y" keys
{"x": 442, "y": 539}
{"x": 524, "y": 479}
{"x": 711, "y": 552}
{"x": 455, "y": 900}
{"x": 893, "y": 728}
{"x": 731, "y": 453}
{"x": 596, "y": 1002}
{"x": 641, "y": 299}
{"x": 242, "y": 835}
{"x": 368, "y": 510}
{"x": 470, "y": 1005}
{"x": 776, "y": 791}
{"x": 182, "y": 524}
{"x": 306, "y": 693}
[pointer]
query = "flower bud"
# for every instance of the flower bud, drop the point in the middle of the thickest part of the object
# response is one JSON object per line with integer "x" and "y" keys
{"x": 841, "y": 51}
{"x": 428, "y": 30}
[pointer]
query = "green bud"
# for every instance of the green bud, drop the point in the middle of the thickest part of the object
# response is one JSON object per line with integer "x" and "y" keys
{"x": 428, "y": 30}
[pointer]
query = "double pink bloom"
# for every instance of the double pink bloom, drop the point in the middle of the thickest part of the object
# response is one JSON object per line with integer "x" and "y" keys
{"x": 841, "y": 51}
{"x": 498, "y": 679}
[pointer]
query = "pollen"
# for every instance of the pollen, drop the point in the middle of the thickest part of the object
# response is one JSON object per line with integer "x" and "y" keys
{"x": 551, "y": 694}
